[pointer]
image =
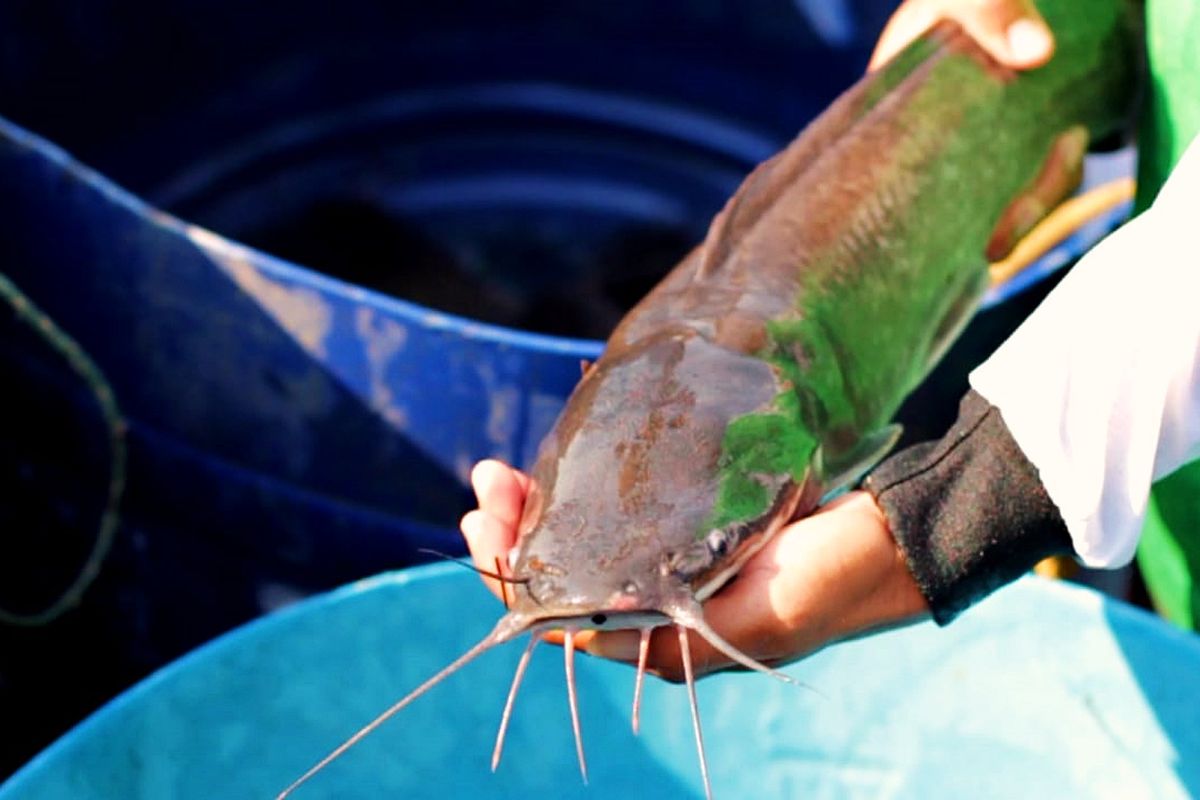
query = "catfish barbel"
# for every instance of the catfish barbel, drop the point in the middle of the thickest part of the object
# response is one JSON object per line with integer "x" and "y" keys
{"x": 761, "y": 374}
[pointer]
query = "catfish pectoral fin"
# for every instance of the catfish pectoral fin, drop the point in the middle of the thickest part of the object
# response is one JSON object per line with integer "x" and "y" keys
{"x": 1059, "y": 177}
{"x": 840, "y": 470}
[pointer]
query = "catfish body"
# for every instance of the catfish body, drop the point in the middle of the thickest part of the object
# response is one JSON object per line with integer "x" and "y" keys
{"x": 760, "y": 374}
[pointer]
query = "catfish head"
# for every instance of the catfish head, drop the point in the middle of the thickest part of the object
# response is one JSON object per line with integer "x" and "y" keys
{"x": 627, "y": 520}
{"x": 624, "y": 524}
{"x": 623, "y": 527}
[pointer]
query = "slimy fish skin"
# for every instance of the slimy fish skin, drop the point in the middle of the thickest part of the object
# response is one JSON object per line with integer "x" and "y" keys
{"x": 762, "y": 373}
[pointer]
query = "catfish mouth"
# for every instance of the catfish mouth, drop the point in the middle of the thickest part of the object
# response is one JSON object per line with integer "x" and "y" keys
{"x": 606, "y": 620}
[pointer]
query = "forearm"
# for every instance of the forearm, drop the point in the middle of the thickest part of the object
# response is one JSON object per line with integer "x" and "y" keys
{"x": 1101, "y": 385}
{"x": 968, "y": 512}
{"x": 1096, "y": 396}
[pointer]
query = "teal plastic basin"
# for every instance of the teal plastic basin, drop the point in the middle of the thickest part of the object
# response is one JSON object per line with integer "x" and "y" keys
{"x": 1042, "y": 691}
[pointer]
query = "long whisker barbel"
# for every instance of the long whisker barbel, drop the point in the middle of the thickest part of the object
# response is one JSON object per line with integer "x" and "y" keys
{"x": 514, "y": 624}
{"x": 480, "y": 570}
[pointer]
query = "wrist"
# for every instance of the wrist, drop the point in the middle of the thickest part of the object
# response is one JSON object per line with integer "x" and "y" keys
{"x": 873, "y": 580}
{"x": 969, "y": 511}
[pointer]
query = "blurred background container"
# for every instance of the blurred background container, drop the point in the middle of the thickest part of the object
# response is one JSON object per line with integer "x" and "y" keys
{"x": 476, "y": 191}
{"x": 1045, "y": 690}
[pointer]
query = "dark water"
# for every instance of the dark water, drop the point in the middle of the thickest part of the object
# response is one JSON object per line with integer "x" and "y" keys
{"x": 482, "y": 272}
{"x": 54, "y": 468}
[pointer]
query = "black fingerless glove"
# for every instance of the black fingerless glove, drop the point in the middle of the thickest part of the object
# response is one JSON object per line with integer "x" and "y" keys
{"x": 969, "y": 511}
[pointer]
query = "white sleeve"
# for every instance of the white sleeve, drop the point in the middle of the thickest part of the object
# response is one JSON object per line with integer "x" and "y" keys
{"x": 1100, "y": 387}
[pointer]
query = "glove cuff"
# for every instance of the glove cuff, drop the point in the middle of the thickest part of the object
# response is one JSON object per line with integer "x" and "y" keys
{"x": 969, "y": 511}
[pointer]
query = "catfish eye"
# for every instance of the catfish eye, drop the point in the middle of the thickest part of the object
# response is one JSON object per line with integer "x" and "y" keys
{"x": 717, "y": 542}
{"x": 599, "y": 619}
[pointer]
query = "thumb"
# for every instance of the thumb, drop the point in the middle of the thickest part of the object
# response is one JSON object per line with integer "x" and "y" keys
{"x": 1011, "y": 31}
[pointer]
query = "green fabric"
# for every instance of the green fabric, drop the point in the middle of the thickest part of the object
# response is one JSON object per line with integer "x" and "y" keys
{"x": 1169, "y": 551}
{"x": 1171, "y": 117}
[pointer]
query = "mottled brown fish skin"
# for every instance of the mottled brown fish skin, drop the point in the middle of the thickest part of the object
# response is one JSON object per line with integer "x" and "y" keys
{"x": 824, "y": 291}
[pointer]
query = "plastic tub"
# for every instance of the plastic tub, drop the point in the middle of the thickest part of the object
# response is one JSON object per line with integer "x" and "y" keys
{"x": 1042, "y": 691}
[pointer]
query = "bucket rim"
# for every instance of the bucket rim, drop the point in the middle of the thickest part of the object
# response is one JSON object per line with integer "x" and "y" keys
{"x": 1110, "y": 612}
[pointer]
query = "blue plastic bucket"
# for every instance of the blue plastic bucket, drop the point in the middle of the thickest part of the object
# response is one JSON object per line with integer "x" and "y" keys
{"x": 1042, "y": 691}
{"x": 291, "y": 430}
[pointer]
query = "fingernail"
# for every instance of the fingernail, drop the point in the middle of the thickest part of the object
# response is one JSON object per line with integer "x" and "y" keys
{"x": 617, "y": 645}
{"x": 1028, "y": 40}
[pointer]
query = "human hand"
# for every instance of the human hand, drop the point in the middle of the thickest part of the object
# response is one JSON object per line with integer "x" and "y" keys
{"x": 1012, "y": 31}
{"x": 830, "y": 576}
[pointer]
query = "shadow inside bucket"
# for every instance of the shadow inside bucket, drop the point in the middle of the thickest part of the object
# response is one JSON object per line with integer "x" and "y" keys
{"x": 535, "y": 206}
{"x": 585, "y": 292}
{"x": 55, "y": 467}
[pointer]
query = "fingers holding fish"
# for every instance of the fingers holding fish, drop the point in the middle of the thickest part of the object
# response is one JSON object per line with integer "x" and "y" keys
{"x": 831, "y": 576}
{"x": 1011, "y": 31}
{"x": 489, "y": 541}
{"x": 755, "y": 613}
{"x": 501, "y": 490}
{"x": 491, "y": 529}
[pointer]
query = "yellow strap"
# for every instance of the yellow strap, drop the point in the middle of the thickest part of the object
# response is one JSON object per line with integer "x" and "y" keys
{"x": 1058, "y": 225}
{"x": 1060, "y": 567}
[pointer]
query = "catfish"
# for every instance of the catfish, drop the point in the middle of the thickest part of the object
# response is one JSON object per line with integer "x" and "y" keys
{"x": 761, "y": 374}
